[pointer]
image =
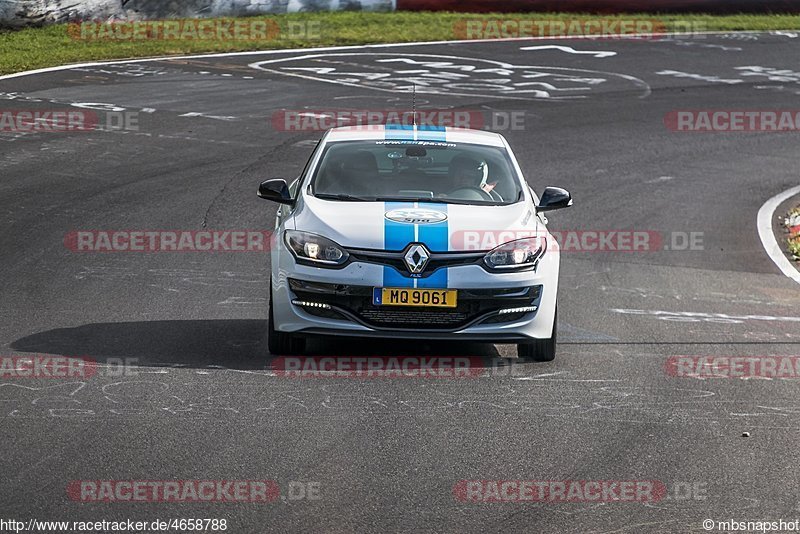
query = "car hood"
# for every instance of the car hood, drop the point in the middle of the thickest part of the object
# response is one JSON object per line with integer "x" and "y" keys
{"x": 393, "y": 225}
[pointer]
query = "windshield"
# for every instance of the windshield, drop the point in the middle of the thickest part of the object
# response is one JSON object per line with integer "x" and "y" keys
{"x": 413, "y": 170}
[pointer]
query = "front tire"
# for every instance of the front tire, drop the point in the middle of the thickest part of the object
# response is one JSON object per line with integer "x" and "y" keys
{"x": 540, "y": 350}
{"x": 282, "y": 343}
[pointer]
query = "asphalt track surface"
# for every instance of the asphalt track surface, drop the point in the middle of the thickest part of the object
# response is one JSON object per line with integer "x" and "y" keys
{"x": 202, "y": 401}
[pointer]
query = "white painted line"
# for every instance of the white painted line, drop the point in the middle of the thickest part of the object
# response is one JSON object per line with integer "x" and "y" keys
{"x": 533, "y": 94}
{"x": 568, "y": 49}
{"x": 356, "y": 47}
{"x": 764, "y": 222}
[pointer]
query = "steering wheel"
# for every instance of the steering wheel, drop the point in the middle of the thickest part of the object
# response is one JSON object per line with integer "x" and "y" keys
{"x": 496, "y": 196}
{"x": 469, "y": 193}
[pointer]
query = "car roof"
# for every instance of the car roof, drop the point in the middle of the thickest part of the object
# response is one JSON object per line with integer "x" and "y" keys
{"x": 402, "y": 132}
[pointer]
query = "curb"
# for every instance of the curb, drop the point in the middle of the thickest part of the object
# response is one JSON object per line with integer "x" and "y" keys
{"x": 767, "y": 234}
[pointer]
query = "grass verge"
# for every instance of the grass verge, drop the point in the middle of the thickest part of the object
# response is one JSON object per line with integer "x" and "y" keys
{"x": 59, "y": 44}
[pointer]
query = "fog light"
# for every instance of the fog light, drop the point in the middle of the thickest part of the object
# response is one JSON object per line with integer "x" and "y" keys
{"x": 524, "y": 309}
{"x": 307, "y": 304}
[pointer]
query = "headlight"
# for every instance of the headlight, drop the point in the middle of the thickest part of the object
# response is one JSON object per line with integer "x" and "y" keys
{"x": 519, "y": 254}
{"x": 314, "y": 249}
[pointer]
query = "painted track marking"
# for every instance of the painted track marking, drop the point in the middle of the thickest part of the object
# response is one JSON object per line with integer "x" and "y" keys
{"x": 356, "y": 47}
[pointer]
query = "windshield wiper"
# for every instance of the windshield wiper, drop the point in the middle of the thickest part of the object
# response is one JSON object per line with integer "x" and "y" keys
{"x": 428, "y": 200}
{"x": 434, "y": 200}
{"x": 351, "y": 198}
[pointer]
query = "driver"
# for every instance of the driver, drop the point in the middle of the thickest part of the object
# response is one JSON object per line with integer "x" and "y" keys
{"x": 468, "y": 173}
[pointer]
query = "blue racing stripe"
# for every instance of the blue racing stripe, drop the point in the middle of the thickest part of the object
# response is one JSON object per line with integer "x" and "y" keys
{"x": 396, "y": 237}
{"x": 436, "y": 238}
{"x": 420, "y": 132}
{"x": 431, "y": 133}
{"x": 398, "y": 132}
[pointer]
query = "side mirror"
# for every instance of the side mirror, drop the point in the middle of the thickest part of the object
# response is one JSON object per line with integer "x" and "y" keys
{"x": 554, "y": 198}
{"x": 276, "y": 190}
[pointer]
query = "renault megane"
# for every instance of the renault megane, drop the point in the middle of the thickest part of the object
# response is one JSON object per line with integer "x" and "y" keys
{"x": 413, "y": 232}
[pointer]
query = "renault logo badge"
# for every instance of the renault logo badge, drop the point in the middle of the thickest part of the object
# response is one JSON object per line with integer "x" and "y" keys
{"x": 416, "y": 258}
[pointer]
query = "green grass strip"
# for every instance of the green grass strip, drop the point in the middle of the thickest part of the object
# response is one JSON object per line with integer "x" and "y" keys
{"x": 33, "y": 48}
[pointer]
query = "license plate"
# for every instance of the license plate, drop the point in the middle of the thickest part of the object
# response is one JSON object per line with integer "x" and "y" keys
{"x": 436, "y": 298}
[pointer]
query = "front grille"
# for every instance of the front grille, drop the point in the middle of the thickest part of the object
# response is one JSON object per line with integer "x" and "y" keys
{"x": 417, "y": 317}
{"x": 437, "y": 260}
{"x": 355, "y": 303}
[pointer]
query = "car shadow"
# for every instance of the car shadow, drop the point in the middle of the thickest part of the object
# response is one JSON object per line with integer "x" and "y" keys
{"x": 229, "y": 344}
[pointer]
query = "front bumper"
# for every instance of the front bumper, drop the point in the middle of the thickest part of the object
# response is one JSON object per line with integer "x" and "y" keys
{"x": 342, "y": 303}
{"x": 354, "y": 304}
